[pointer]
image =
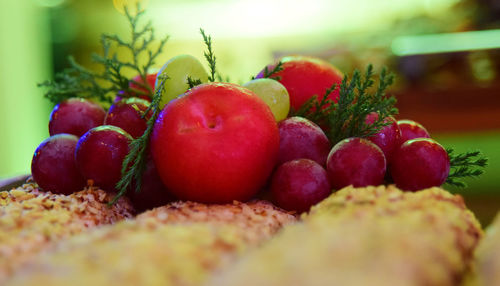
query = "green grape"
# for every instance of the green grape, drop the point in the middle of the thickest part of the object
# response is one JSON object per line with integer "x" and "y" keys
{"x": 274, "y": 95}
{"x": 178, "y": 69}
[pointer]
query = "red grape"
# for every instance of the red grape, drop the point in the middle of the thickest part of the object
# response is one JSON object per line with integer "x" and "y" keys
{"x": 299, "y": 184}
{"x": 357, "y": 162}
{"x": 420, "y": 163}
{"x": 411, "y": 130}
{"x": 388, "y": 138}
{"x": 152, "y": 193}
{"x": 302, "y": 139}
{"x": 127, "y": 114}
{"x": 150, "y": 79}
{"x": 75, "y": 116}
{"x": 53, "y": 166}
{"x": 100, "y": 153}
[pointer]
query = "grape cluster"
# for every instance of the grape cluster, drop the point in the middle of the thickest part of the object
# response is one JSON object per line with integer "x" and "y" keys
{"x": 402, "y": 152}
{"x": 87, "y": 145}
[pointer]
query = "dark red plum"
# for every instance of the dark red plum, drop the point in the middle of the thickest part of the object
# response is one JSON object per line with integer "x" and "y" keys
{"x": 388, "y": 138}
{"x": 420, "y": 163}
{"x": 75, "y": 116}
{"x": 127, "y": 114}
{"x": 357, "y": 162}
{"x": 53, "y": 166}
{"x": 100, "y": 153}
{"x": 411, "y": 129}
{"x": 302, "y": 139}
{"x": 299, "y": 184}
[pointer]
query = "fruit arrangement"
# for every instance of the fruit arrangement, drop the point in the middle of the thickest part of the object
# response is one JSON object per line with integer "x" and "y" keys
{"x": 294, "y": 133}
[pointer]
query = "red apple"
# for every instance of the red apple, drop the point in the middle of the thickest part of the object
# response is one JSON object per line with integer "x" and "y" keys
{"x": 305, "y": 77}
{"x": 215, "y": 144}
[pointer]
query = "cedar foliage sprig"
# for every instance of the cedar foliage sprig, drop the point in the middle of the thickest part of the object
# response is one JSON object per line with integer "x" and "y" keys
{"x": 346, "y": 118}
{"x": 209, "y": 56}
{"x": 138, "y": 147}
{"x": 104, "y": 85}
{"x": 468, "y": 164}
{"x": 272, "y": 73}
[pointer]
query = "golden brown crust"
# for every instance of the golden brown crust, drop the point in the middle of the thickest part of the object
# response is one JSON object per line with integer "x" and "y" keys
{"x": 178, "y": 244}
{"x": 367, "y": 236}
{"x": 31, "y": 220}
{"x": 487, "y": 263}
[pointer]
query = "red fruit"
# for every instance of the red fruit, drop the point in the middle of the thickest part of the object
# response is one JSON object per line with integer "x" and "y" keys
{"x": 53, "y": 166}
{"x": 388, "y": 138}
{"x": 99, "y": 155}
{"x": 215, "y": 144}
{"x": 420, "y": 163}
{"x": 152, "y": 193}
{"x": 127, "y": 114}
{"x": 75, "y": 116}
{"x": 411, "y": 129}
{"x": 305, "y": 77}
{"x": 302, "y": 139}
{"x": 357, "y": 162}
{"x": 143, "y": 92}
{"x": 299, "y": 184}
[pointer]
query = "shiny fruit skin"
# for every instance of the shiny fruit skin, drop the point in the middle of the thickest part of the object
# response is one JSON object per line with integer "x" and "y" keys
{"x": 305, "y": 77}
{"x": 99, "y": 155}
{"x": 152, "y": 193}
{"x": 75, "y": 116}
{"x": 53, "y": 166}
{"x": 127, "y": 114}
{"x": 274, "y": 95}
{"x": 215, "y": 144}
{"x": 357, "y": 162}
{"x": 420, "y": 163}
{"x": 301, "y": 138}
{"x": 150, "y": 79}
{"x": 178, "y": 69}
{"x": 411, "y": 129}
{"x": 388, "y": 138}
{"x": 299, "y": 184}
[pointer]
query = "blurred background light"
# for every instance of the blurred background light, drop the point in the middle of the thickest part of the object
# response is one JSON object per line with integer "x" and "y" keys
{"x": 446, "y": 43}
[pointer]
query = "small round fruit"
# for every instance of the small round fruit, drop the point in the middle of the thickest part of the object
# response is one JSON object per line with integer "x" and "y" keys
{"x": 274, "y": 95}
{"x": 178, "y": 69}
{"x": 75, "y": 116}
{"x": 53, "y": 166}
{"x": 305, "y": 77}
{"x": 299, "y": 184}
{"x": 127, "y": 114}
{"x": 142, "y": 91}
{"x": 100, "y": 153}
{"x": 388, "y": 138}
{"x": 420, "y": 163}
{"x": 357, "y": 162}
{"x": 300, "y": 138}
{"x": 216, "y": 144}
{"x": 152, "y": 193}
{"x": 411, "y": 129}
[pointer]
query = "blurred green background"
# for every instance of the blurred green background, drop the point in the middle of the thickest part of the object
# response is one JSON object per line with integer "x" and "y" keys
{"x": 447, "y": 66}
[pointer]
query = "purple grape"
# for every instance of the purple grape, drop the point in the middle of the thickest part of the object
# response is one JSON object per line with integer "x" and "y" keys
{"x": 388, "y": 138}
{"x": 420, "y": 163}
{"x": 53, "y": 166}
{"x": 127, "y": 114}
{"x": 299, "y": 184}
{"x": 411, "y": 129}
{"x": 302, "y": 139}
{"x": 75, "y": 116}
{"x": 100, "y": 153}
{"x": 357, "y": 162}
{"x": 152, "y": 193}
